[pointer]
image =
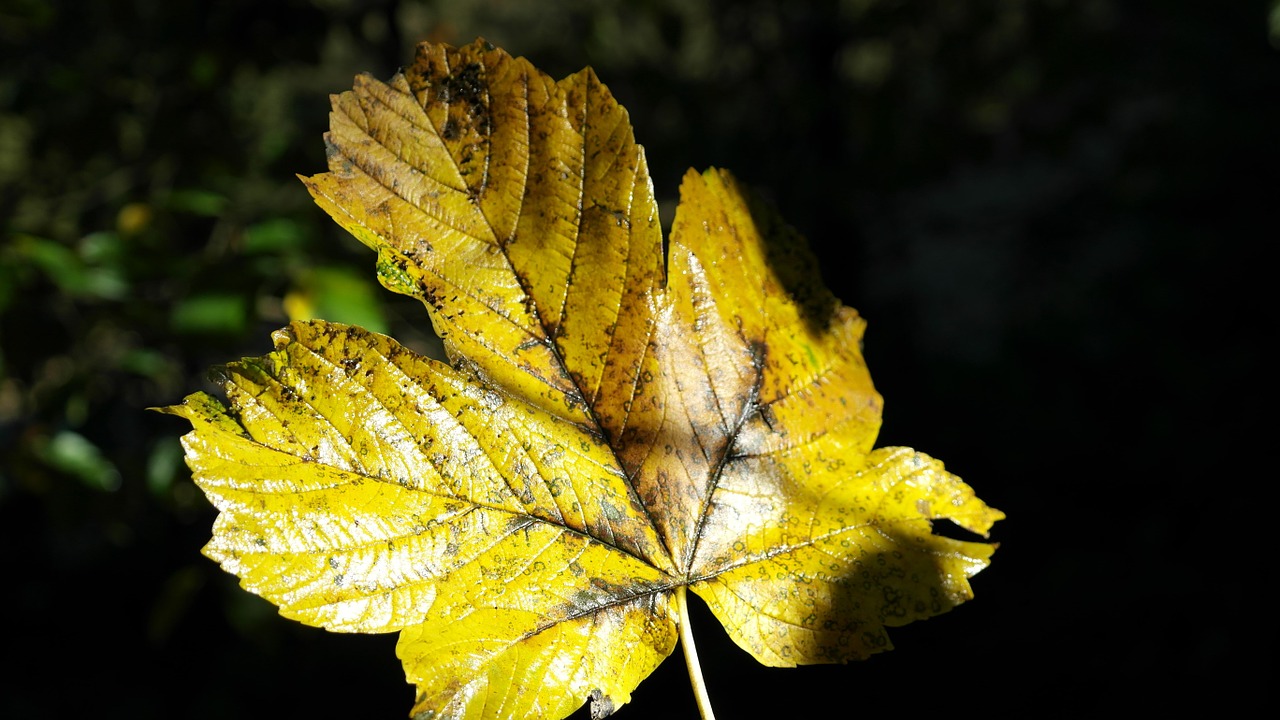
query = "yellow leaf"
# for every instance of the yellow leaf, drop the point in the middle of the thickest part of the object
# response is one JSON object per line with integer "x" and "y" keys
{"x": 614, "y": 426}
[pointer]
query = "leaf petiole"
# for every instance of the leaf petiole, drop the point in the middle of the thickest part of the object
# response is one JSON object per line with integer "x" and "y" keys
{"x": 691, "y": 658}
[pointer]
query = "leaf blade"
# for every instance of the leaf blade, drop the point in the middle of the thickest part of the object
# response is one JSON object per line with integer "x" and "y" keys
{"x": 300, "y": 521}
{"x": 819, "y": 581}
{"x": 507, "y": 243}
{"x": 537, "y": 668}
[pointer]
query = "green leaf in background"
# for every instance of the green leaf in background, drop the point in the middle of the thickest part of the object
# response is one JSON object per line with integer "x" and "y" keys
{"x": 338, "y": 295}
{"x": 163, "y": 464}
{"x": 148, "y": 363}
{"x": 72, "y": 453}
{"x": 76, "y": 273}
{"x": 275, "y": 235}
{"x": 1274, "y": 24}
{"x": 210, "y": 313}
{"x": 197, "y": 202}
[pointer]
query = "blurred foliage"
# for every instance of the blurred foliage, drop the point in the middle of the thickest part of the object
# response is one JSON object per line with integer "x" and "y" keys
{"x": 1037, "y": 204}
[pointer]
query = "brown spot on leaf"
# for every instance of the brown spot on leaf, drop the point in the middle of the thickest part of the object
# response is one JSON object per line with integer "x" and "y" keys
{"x": 601, "y": 705}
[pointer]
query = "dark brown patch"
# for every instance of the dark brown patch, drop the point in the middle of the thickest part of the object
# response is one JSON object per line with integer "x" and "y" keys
{"x": 465, "y": 85}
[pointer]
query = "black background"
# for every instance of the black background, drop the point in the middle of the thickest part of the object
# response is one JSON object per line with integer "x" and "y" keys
{"x": 1053, "y": 215}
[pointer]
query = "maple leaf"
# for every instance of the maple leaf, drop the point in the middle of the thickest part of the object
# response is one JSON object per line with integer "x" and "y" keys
{"x": 613, "y": 428}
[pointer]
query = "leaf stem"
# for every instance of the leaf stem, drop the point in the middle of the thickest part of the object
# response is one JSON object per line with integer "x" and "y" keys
{"x": 691, "y": 658}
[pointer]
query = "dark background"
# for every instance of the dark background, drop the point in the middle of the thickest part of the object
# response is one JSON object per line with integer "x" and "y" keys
{"x": 1053, "y": 214}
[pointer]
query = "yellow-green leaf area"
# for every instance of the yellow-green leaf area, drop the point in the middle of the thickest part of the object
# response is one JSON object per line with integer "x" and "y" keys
{"x": 613, "y": 427}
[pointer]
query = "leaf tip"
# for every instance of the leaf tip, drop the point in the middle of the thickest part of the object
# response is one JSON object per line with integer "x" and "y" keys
{"x": 184, "y": 409}
{"x": 284, "y": 337}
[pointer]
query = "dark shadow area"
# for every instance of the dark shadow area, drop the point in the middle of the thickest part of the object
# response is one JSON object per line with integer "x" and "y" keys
{"x": 793, "y": 264}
